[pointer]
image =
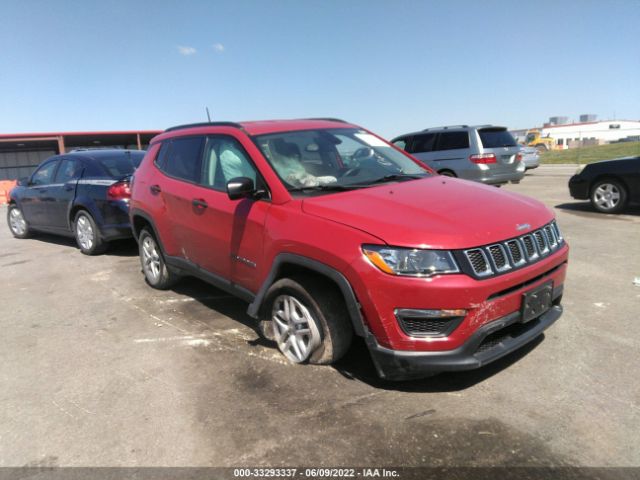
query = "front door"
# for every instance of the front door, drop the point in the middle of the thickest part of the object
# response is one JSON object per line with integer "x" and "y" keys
{"x": 229, "y": 233}
{"x": 36, "y": 195}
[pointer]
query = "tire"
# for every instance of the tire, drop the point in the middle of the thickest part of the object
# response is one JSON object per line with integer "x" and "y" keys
{"x": 447, "y": 173}
{"x": 87, "y": 234}
{"x": 608, "y": 196}
{"x": 541, "y": 147}
{"x": 154, "y": 268}
{"x": 17, "y": 223}
{"x": 318, "y": 305}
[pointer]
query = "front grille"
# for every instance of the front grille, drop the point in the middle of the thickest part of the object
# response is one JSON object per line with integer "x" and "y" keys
{"x": 550, "y": 236}
{"x": 529, "y": 247}
{"x": 541, "y": 240}
{"x": 499, "y": 258}
{"x": 478, "y": 261}
{"x": 515, "y": 252}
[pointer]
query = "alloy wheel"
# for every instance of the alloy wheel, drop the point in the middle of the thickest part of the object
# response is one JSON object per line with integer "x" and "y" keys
{"x": 85, "y": 233}
{"x": 607, "y": 196}
{"x": 17, "y": 222}
{"x": 151, "y": 261}
{"x": 295, "y": 330}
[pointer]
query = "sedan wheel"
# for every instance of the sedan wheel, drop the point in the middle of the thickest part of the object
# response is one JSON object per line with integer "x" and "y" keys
{"x": 608, "y": 196}
{"x": 84, "y": 232}
{"x": 294, "y": 328}
{"x": 17, "y": 223}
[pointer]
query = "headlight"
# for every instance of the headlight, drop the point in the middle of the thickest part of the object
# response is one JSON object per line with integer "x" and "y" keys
{"x": 415, "y": 262}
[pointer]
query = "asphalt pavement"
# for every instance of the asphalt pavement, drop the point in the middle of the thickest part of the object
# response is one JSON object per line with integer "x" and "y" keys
{"x": 98, "y": 369}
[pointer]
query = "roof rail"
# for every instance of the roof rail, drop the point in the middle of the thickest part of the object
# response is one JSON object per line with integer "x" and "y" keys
{"x": 328, "y": 119}
{"x": 446, "y": 127}
{"x": 204, "y": 124}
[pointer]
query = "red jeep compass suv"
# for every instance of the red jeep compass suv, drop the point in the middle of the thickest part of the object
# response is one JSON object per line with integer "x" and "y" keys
{"x": 328, "y": 231}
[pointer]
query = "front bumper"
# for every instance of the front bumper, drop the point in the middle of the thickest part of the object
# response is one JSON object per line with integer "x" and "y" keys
{"x": 579, "y": 188}
{"x": 489, "y": 343}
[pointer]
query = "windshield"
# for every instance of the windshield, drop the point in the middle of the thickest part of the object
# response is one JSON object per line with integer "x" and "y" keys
{"x": 496, "y": 137}
{"x": 335, "y": 159}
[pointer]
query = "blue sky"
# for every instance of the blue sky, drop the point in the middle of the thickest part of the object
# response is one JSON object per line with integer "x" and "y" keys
{"x": 390, "y": 66}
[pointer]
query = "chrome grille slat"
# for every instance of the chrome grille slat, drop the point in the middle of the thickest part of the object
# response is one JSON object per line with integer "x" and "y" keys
{"x": 499, "y": 257}
{"x": 516, "y": 252}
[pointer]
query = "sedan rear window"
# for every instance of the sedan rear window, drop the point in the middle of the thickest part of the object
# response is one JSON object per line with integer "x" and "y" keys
{"x": 122, "y": 165}
{"x": 496, "y": 137}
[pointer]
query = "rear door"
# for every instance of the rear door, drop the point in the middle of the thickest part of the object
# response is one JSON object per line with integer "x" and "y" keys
{"x": 500, "y": 142}
{"x": 62, "y": 192}
{"x": 181, "y": 162}
{"x": 451, "y": 151}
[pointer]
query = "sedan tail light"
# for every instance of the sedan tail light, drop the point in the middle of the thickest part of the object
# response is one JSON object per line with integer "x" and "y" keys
{"x": 519, "y": 157}
{"x": 483, "y": 158}
{"x": 119, "y": 191}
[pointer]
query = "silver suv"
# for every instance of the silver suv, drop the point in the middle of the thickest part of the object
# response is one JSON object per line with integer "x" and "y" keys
{"x": 484, "y": 153}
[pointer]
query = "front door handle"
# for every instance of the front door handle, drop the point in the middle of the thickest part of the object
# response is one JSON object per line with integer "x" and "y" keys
{"x": 199, "y": 203}
{"x": 68, "y": 188}
{"x": 155, "y": 189}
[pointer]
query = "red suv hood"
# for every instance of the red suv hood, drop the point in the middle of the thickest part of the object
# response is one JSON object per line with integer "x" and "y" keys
{"x": 436, "y": 212}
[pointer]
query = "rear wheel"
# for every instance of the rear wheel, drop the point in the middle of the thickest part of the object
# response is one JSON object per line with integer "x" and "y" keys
{"x": 17, "y": 223}
{"x": 447, "y": 173}
{"x": 155, "y": 270}
{"x": 309, "y": 320}
{"x": 87, "y": 234}
{"x": 608, "y": 196}
{"x": 541, "y": 147}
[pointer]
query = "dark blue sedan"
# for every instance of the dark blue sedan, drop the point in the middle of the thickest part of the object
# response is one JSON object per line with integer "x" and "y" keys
{"x": 83, "y": 194}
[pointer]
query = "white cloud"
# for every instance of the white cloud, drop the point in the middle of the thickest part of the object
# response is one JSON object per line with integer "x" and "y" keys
{"x": 186, "y": 50}
{"x": 218, "y": 47}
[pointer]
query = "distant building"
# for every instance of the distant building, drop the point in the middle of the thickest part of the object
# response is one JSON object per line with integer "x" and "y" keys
{"x": 20, "y": 153}
{"x": 590, "y": 132}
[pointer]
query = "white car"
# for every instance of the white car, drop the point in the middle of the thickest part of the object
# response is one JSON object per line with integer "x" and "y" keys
{"x": 530, "y": 157}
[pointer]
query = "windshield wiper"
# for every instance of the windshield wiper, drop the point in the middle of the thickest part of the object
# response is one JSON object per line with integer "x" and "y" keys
{"x": 324, "y": 188}
{"x": 395, "y": 176}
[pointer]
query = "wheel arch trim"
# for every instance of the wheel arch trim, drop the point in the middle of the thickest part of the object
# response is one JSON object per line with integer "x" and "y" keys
{"x": 283, "y": 259}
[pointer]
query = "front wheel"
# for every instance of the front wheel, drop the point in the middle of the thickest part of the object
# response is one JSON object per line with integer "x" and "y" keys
{"x": 608, "y": 196}
{"x": 17, "y": 223}
{"x": 87, "y": 234}
{"x": 309, "y": 320}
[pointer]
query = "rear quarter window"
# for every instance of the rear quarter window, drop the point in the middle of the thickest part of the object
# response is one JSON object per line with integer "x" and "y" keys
{"x": 496, "y": 138}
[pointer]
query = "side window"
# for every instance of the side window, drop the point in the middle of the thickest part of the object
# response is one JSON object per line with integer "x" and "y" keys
{"x": 183, "y": 160}
{"x": 44, "y": 175}
{"x": 69, "y": 170}
{"x": 453, "y": 140}
{"x": 224, "y": 159}
{"x": 162, "y": 154}
{"x": 423, "y": 143}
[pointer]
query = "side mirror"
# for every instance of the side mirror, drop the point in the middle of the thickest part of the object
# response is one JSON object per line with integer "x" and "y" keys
{"x": 240, "y": 187}
{"x": 23, "y": 182}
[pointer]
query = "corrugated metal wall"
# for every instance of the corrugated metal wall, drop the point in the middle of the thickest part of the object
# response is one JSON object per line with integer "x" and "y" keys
{"x": 14, "y": 165}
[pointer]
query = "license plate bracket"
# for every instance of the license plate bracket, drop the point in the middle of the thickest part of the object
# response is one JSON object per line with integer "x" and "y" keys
{"x": 537, "y": 301}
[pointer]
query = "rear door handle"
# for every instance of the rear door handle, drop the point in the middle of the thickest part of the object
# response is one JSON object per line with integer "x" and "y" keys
{"x": 155, "y": 189}
{"x": 199, "y": 203}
